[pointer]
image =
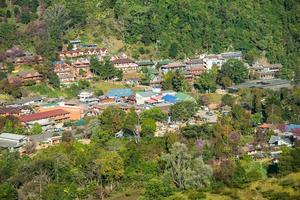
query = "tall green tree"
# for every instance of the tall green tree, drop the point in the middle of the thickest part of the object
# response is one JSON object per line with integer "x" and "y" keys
{"x": 148, "y": 127}
{"x": 175, "y": 81}
{"x": 131, "y": 121}
{"x": 177, "y": 164}
{"x": 156, "y": 189}
{"x": 179, "y": 83}
{"x": 185, "y": 171}
{"x": 173, "y": 50}
{"x": 36, "y": 129}
{"x": 235, "y": 70}
{"x": 183, "y": 111}
{"x": 112, "y": 119}
{"x": 206, "y": 82}
{"x": 8, "y": 192}
{"x": 155, "y": 114}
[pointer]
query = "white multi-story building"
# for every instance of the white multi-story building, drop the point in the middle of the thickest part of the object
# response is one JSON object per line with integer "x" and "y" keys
{"x": 213, "y": 59}
{"x": 219, "y": 59}
{"x": 87, "y": 97}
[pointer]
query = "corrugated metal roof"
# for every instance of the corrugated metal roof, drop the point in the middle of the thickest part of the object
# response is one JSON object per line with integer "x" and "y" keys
{"x": 118, "y": 93}
{"x": 11, "y": 136}
{"x": 290, "y": 127}
{"x": 8, "y": 144}
{"x": 183, "y": 97}
{"x": 147, "y": 94}
{"x": 170, "y": 99}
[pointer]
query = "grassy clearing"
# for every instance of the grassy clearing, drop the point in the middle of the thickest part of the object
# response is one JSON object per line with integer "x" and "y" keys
{"x": 289, "y": 184}
{"x": 23, "y": 68}
{"x": 5, "y": 98}
{"x": 129, "y": 194}
{"x": 131, "y": 75}
{"x": 105, "y": 86}
{"x": 45, "y": 90}
{"x": 48, "y": 91}
{"x": 213, "y": 98}
{"x": 210, "y": 196}
{"x": 254, "y": 191}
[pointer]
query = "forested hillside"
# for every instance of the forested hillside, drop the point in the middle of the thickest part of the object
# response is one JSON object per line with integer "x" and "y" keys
{"x": 185, "y": 27}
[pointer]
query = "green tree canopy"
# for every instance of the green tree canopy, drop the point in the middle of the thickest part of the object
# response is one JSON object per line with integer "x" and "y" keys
{"x": 148, "y": 127}
{"x": 206, "y": 82}
{"x": 183, "y": 111}
{"x": 131, "y": 121}
{"x": 156, "y": 189}
{"x": 175, "y": 81}
{"x": 8, "y": 192}
{"x": 235, "y": 70}
{"x": 155, "y": 114}
{"x": 112, "y": 119}
{"x": 197, "y": 131}
{"x": 36, "y": 129}
{"x": 185, "y": 171}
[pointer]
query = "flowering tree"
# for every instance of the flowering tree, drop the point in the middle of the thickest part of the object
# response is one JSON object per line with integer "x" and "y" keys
{"x": 199, "y": 145}
{"x": 282, "y": 127}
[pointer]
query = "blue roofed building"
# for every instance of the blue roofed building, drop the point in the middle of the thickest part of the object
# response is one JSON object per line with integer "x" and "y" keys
{"x": 170, "y": 99}
{"x": 119, "y": 93}
{"x": 158, "y": 97}
{"x": 291, "y": 127}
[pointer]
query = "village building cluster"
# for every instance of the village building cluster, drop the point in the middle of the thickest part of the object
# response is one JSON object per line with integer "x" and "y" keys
{"x": 17, "y": 56}
{"x": 265, "y": 70}
{"x": 287, "y": 135}
{"x": 74, "y": 65}
{"x": 53, "y": 114}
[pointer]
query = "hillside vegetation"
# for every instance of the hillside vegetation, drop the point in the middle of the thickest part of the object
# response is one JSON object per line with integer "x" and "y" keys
{"x": 175, "y": 28}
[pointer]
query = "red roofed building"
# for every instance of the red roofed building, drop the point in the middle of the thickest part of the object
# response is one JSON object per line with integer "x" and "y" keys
{"x": 64, "y": 71}
{"x": 25, "y": 78}
{"x": 265, "y": 126}
{"x": 125, "y": 64}
{"x": 70, "y": 54}
{"x": 173, "y": 67}
{"x": 196, "y": 71}
{"x": 58, "y": 115}
{"x": 95, "y": 51}
{"x": 82, "y": 69}
{"x": 6, "y": 111}
{"x": 87, "y": 52}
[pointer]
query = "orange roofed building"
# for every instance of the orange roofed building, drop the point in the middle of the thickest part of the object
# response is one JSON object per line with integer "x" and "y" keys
{"x": 265, "y": 126}
{"x": 57, "y": 115}
{"x": 75, "y": 112}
